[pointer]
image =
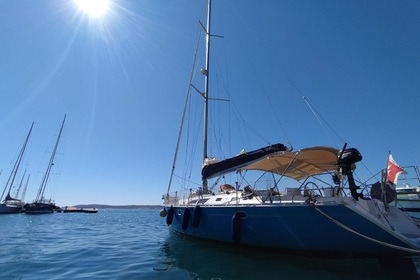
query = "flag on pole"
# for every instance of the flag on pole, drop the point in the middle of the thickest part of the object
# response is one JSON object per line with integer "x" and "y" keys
{"x": 393, "y": 170}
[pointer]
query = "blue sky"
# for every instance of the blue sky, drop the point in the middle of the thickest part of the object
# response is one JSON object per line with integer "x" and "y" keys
{"x": 121, "y": 79}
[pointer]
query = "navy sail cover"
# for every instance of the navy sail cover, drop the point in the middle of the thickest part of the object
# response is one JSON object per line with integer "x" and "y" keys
{"x": 234, "y": 163}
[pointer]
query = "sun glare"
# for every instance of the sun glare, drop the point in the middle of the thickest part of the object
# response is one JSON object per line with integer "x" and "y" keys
{"x": 93, "y": 8}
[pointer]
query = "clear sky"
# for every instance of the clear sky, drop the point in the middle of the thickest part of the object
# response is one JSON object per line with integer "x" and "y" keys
{"x": 121, "y": 78}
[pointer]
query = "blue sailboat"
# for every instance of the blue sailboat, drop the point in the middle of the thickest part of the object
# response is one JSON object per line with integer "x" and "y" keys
{"x": 324, "y": 213}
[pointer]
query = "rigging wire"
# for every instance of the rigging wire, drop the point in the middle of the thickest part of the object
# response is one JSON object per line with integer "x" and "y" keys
{"x": 401, "y": 248}
{"x": 271, "y": 105}
{"x": 255, "y": 35}
{"x": 184, "y": 110}
{"x": 317, "y": 115}
{"x": 191, "y": 146}
{"x": 239, "y": 118}
{"x": 321, "y": 120}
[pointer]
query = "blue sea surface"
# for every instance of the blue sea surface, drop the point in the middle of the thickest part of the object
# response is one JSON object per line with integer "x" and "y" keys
{"x": 137, "y": 244}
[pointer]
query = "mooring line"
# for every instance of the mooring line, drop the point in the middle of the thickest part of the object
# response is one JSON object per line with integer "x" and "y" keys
{"x": 367, "y": 237}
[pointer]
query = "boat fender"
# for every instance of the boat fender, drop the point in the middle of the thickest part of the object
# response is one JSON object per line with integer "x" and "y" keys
{"x": 163, "y": 213}
{"x": 196, "y": 216}
{"x": 185, "y": 218}
{"x": 236, "y": 228}
{"x": 170, "y": 216}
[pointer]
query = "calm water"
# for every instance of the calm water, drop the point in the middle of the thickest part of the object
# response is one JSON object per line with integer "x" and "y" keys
{"x": 136, "y": 244}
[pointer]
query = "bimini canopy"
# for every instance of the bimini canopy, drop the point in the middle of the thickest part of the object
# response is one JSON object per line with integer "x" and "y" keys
{"x": 235, "y": 163}
{"x": 300, "y": 164}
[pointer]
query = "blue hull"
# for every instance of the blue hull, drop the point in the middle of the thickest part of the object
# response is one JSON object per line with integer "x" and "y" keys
{"x": 7, "y": 209}
{"x": 295, "y": 227}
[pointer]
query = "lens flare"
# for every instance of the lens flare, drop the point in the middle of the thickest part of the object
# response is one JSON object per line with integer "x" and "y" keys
{"x": 93, "y": 8}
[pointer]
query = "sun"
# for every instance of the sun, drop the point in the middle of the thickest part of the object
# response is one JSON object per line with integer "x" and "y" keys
{"x": 93, "y": 8}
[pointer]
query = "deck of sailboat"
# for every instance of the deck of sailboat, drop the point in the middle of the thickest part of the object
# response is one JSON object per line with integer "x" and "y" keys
{"x": 336, "y": 218}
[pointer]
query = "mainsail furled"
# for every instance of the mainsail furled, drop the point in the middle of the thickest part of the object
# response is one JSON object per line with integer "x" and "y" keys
{"x": 239, "y": 161}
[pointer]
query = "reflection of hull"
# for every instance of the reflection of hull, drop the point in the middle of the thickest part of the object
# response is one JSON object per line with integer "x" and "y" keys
{"x": 10, "y": 209}
{"x": 232, "y": 262}
{"x": 331, "y": 228}
{"x": 39, "y": 208}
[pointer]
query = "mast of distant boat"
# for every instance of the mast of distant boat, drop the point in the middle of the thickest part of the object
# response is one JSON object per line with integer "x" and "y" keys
{"x": 25, "y": 188}
{"x": 15, "y": 169}
{"x": 20, "y": 184}
{"x": 40, "y": 195}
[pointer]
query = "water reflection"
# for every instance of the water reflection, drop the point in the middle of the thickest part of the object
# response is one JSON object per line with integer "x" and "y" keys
{"x": 207, "y": 260}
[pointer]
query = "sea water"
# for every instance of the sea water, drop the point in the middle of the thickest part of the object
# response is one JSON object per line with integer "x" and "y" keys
{"x": 137, "y": 244}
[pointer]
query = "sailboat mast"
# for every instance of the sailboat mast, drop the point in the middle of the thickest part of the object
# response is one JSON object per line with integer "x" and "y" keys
{"x": 20, "y": 184}
{"x": 25, "y": 188}
{"x": 17, "y": 164}
{"x": 40, "y": 194}
{"x": 206, "y": 90}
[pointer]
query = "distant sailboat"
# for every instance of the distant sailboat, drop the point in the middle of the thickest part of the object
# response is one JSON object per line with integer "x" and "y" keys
{"x": 9, "y": 204}
{"x": 408, "y": 195}
{"x": 41, "y": 205}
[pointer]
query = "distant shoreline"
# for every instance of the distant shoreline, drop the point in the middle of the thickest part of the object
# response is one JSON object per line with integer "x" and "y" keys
{"x": 105, "y": 206}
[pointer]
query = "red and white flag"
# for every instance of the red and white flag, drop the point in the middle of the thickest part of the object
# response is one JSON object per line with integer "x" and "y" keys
{"x": 393, "y": 170}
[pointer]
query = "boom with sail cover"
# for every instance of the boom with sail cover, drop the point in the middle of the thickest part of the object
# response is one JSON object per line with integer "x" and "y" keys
{"x": 235, "y": 163}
